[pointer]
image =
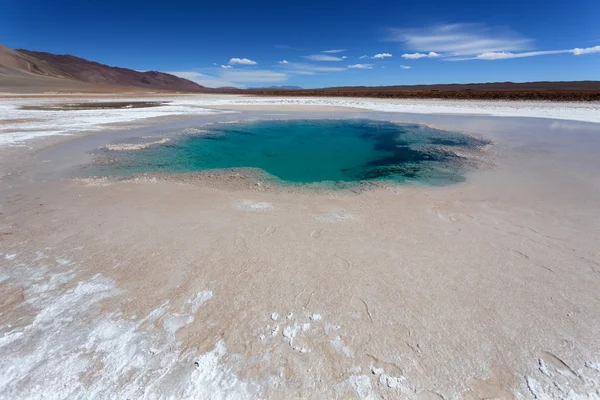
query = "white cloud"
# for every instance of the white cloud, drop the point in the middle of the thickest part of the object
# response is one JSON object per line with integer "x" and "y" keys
{"x": 322, "y": 57}
{"x": 226, "y": 66}
{"x": 205, "y": 80}
{"x": 361, "y": 66}
{"x": 310, "y": 69}
{"x": 363, "y": 57}
{"x": 237, "y": 75}
{"x": 242, "y": 61}
{"x": 505, "y": 55}
{"x": 460, "y": 39}
{"x": 382, "y": 55}
{"x": 405, "y": 67}
{"x": 587, "y": 50}
{"x": 344, "y": 57}
{"x": 415, "y": 56}
{"x": 334, "y": 51}
{"x": 283, "y": 62}
{"x": 458, "y": 42}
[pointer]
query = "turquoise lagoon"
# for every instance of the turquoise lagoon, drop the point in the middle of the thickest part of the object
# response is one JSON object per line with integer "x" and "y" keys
{"x": 308, "y": 152}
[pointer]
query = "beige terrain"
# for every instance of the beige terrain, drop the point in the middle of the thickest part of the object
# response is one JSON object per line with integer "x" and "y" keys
{"x": 224, "y": 287}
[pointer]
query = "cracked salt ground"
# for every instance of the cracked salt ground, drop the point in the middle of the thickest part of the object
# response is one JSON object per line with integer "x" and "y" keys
{"x": 57, "y": 342}
{"x": 311, "y": 329}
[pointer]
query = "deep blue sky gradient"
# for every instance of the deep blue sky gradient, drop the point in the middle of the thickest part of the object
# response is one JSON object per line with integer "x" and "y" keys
{"x": 192, "y": 36}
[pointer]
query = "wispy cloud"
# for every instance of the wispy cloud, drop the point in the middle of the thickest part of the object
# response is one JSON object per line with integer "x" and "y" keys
{"x": 310, "y": 69}
{"x": 334, "y": 51}
{"x": 242, "y": 61}
{"x": 237, "y": 75}
{"x": 415, "y": 56}
{"x": 205, "y": 80}
{"x": 382, "y": 55}
{"x": 322, "y": 57}
{"x": 459, "y": 42}
{"x": 361, "y": 66}
{"x": 363, "y": 57}
{"x": 287, "y": 47}
{"x": 508, "y": 55}
{"x": 226, "y": 66}
{"x": 460, "y": 39}
{"x": 344, "y": 57}
{"x": 283, "y": 62}
{"x": 505, "y": 55}
{"x": 405, "y": 67}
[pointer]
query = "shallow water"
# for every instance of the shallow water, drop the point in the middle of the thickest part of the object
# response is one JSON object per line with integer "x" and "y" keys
{"x": 306, "y": 151}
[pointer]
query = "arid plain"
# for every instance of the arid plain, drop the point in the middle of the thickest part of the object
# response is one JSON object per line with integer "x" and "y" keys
{"x": 223, "y": 286}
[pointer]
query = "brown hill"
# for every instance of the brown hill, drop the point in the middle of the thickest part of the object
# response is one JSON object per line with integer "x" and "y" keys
{"x": 25, "y": 71}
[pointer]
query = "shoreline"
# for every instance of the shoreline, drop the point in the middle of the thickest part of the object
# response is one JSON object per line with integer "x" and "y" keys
{"x": 20, "y": 125}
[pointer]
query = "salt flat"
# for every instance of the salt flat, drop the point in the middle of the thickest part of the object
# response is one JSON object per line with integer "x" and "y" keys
{"x": 177, "y": 287}
{"x": 17, "y": 125}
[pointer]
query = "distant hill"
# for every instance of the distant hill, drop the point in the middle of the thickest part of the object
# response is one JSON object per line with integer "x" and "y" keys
{"x": 278, "y": 88}
{"x": 31, "y": 71}
{"x": 559, "y": 91}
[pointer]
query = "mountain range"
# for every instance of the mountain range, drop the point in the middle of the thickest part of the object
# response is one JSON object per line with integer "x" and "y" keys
{"x": 25, "y": 71}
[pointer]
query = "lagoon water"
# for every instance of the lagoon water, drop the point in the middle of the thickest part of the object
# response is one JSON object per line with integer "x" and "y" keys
{"x": 308, "y": 151}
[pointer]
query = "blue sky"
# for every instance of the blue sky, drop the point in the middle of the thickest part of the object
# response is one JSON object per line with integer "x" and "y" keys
{"x": 320, "y": 43}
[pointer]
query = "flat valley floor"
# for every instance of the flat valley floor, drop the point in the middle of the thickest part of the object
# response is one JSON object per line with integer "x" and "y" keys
{"x": 224, "y": 287}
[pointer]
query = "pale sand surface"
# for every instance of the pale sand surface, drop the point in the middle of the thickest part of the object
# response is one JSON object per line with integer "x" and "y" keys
{"x": 181, "y": 287}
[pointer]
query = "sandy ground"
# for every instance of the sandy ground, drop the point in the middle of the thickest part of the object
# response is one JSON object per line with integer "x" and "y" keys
{"x": 175, "y": 288}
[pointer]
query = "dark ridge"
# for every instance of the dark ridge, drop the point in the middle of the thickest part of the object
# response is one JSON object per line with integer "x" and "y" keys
{"x": 557, "y": 91}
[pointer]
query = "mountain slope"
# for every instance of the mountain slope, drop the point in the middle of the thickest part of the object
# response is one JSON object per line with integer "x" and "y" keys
{"x": 24, "y": 71}
{"x": 93, "y": 72}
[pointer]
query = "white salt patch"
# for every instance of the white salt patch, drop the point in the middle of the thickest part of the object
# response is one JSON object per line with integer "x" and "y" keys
{"x": 74, "y": 348}
{"x": 333, "y": 217}
{"x": 275, "y": 330}
{"x": 55, "y": 122}
{"x": 199, "y": 299}
{"x": 331, "y": 327}
{"x": 300, "y": 349}
{"x": 339, "y": 346}
{"x": 544, "y": 369}
{"x": 315, "y": 317}
{"x": 393, "y": 382}
{"x": 8, "y": 338}
{"x": 172, "y": 323}
{"x": 10, "y": 256}
{"x": 306, "y": 326}
{"x": 361, "y": 385}
{"x": 593, "y": 365}
{"x": 274, "y": 316}
{"x": 134, "y": 146}
{"x": 211, "y": 380}
{"x": 248, "y": 205}
{"x": 62, "y": 261}
{"x": 289, "y": 316}
{"x": 579, "y": 111}
{"x": 289, "y": 332}
{"x": 535, "y": 388}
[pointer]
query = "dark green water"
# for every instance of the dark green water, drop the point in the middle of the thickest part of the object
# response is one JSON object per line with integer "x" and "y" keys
{"x": 308, "y": 151}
